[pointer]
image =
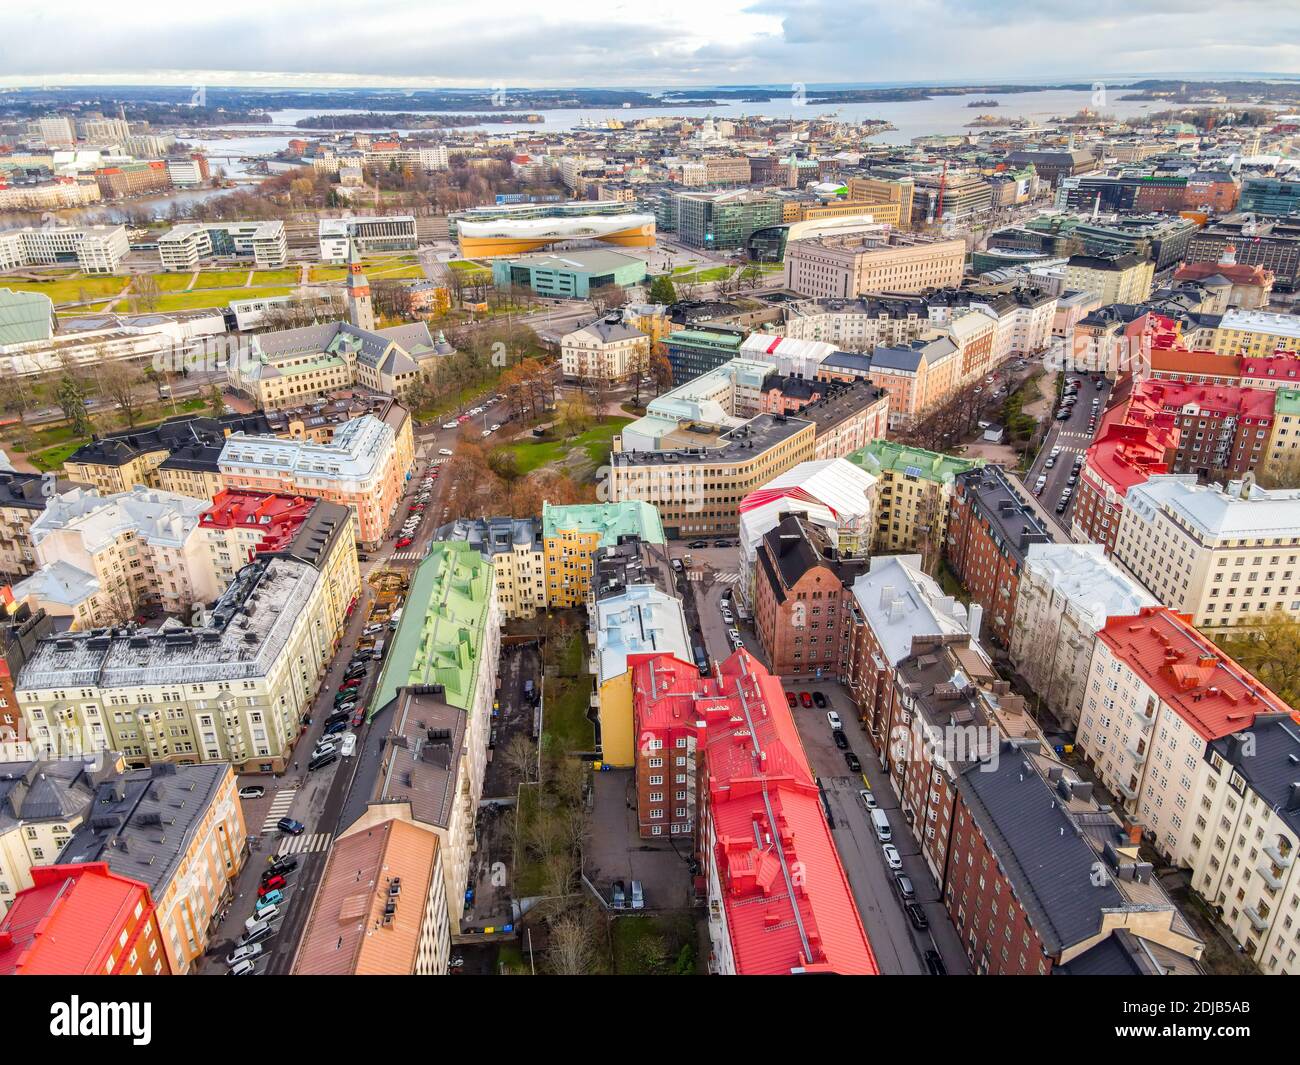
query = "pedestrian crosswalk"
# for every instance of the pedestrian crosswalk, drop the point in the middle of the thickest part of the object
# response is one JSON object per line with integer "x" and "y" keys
{"x": 406, "y": 556}
{"x": 727, "y": 577}
{"x": 279, "y": 808}
{"x": 306, "y": 844}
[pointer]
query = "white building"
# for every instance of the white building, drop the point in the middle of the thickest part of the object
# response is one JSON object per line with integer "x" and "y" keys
{"x": 372, "y": 234}
{"x": 1065, "y": 595}
{"x": 183, "y": 246}
{"x": 94, "y": 249}
{"x": 1226, "y": 557}
{"x": 606, "y": 350}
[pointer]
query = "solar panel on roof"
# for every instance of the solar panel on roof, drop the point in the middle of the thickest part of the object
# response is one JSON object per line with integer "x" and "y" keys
{"x": 912, "y": 471}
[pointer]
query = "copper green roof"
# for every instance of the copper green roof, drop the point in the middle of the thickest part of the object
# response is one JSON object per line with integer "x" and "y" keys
{"x": 881, "y": 455}
{"x": 612, "y": 520}
{"x": 440, "y": 638}
{"x": 25, "y": 316}
{"x": 1287, "y": 402}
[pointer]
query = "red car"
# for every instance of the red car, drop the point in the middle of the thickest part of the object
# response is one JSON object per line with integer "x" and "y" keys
{"x": 805, "y": 698}
{"x": 359, "y": 718}
{"x": 349, "y": 684}
{"x": 273, "y": 884}
{"x": 789, "y": 698}
{"x": 405, "y": 541}
{"x": 416, "y": 508}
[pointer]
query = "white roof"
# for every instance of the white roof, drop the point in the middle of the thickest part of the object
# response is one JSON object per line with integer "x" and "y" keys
{"x": 157, "y": 517}
{"x": 1088, "y": 579}
{"x": 1216, "y": 513}
{"x": 640, "y": 621}
{"x": 354, "y": 453}
{"x": 900, "y": 602}
{"x": 58, "y": 582}
{"x": 1287, "y": 325}
{"x": 758, "y": 522}
{"x": 841, "y": 485}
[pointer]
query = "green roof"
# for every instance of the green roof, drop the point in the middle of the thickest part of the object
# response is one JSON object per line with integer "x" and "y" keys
{"x": 703, "y": 339}
{"x": 441, "y": 635}
{"x": 25, "y": 316}
{"x": 932, "y": 465}
{"x": 1287, "y": 401}
{"x": 612, "y": 520}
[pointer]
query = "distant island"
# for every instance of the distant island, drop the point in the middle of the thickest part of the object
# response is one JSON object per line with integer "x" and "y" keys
{"x": 983, "y": 103}
{"x": 407, "y": 120}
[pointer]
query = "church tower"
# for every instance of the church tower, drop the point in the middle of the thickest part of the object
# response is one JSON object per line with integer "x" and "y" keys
{"x": 360, "y": 312}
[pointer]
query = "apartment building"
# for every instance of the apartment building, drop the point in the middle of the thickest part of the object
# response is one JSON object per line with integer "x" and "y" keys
{"x": 1242, "y": 848}
{"x": 572, "y": 534}
{"x": 183, "y": 247}
{"x": 1221, "y": 429}
{"x": 918, "y": 377}
{"x": 697, "y": 491}
{"x": 399, "y": 925}
{"x": 1121, "y": 278}
{"x": 139, "y": 548}
{"x": 232, "y": 689}
{"x": 515, "y": 549}
{"x": 94, "y": 249}
{"x": 626, "y": 624}
{"x": 1257, "y": 333}
{"x": 133, "y": 179}
{"x": 1224, "y": 557}
{"x": 607, "y": 350}
{"x": 22, "y": 501}
{"x": 857, "y": 324}
{"x": 847, "y": 266}
{"x": 438, "y": 684}
{"x": 180, "y": 830}
{"x": 1066, "y": 594}
{"x": 727, "y": 735}
{"x": 360, "y": 468}
{"x": 990, "y": 530}
{"x": 1158, "y": 693}
{"x": 1284, "y": 440}
{"x": 800, "y": 587}
{"x": 913, "y": 495}
{"x": 82, "y": 920}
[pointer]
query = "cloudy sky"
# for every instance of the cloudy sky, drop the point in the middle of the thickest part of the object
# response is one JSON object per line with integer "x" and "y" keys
{"x": 431, "y": 43}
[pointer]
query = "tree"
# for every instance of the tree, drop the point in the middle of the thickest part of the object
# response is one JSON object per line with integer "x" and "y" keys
{"x": 607, "y": 297}
{"x": 72, "y": 401}
{"x": 118, "y": 381}
{"x": 573, "y": 947}
{"x": 144, "y": 293}
{"x": 662, "y": 372}
{"x": 216, "y": 400}
{"x": 520, "y": 757}
{"x": 662, "y": 290}
{"x": 1271, "y": 651}
{"x": 574, "y": 414}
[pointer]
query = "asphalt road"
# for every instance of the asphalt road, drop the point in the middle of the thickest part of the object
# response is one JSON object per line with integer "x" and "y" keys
{"x": 1074, "y": 439}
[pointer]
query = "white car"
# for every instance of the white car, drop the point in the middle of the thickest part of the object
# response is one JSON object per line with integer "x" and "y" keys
{"x": 486, "y": 433}
{"x": 892, "y": 858}
{"x": 349, "y": 745}
{"x": 495, "y": 428}
{"x": 834, "y": 720}
{"x": 445, "y": 451}
{"x": 243, "y": 968}
{"x": 266, "y": 913}
{"x": 868, "y": 800}
{"x": 451, "y": 425}
{"x": 324, "y": 747}
{"x": 248, "y": 953}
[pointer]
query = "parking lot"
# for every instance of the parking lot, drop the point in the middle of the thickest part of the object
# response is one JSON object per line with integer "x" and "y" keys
{"x": 1072, "y": 436}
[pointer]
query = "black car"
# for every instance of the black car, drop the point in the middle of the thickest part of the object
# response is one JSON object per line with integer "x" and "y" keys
{"x": 341, "y": 714}
{"x": 337, "y": 726}
{"x": 321, "y": 761}
{"x": 935, "y": 963}
{"x": 697, "y": 544}
{"x": 916, "y": 916}
{"x": 280, "y": 867}
{"x": 721, "y": 543}
{"x": 851, "y": 760}
{"x": 903, "y": 885}
{"x": 820, "y": 700}
{"x": 841, "y": 740}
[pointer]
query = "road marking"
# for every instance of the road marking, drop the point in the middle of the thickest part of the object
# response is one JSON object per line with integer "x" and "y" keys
{"x": 279, "y": 808}
{"x": 318, "y": 841}
{"x": 727, "y": 577}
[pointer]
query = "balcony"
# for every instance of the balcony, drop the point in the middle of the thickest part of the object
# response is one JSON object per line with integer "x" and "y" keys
{"x": 1265, "y": 869}
{"x": 1138, "y": 750}
{"x": 1129, "y": 793}
{"x": 1260, "y": 924}
{"x": 1282, "y": 861}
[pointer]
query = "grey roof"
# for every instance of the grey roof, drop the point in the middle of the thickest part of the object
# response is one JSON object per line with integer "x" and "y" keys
{"x": 1013, "y": 523}
{"x": 1035, "y": 842}
{"x": 610, "y": 329}
{"x": 1268, "y": 768}
{"x": 142, "y": 822}
{"x": 908, "y": 356}
{"x": 493, "y": 536}
{"x": 54, "y": 790}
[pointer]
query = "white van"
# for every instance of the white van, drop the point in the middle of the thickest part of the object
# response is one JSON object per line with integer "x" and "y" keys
{"x": 880, "y": 822}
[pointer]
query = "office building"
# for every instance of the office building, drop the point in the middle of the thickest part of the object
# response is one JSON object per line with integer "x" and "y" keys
{"x": 183, "y": 247}
{"x": 609, "y": 349}
{"x": 94, "y": 249}
{"x": 851, "y": 266}
{"x": 568, "y": 275}
{"x": 723, "y": 221}
{"x": 1121, "y": 278}
{"x": 372, "y": 235}
{"x": 1273, "y": 244}
{"x": 1270, "y": 196}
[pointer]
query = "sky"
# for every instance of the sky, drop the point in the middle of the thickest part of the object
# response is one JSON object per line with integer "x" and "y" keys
{"x": 526, "y": 43}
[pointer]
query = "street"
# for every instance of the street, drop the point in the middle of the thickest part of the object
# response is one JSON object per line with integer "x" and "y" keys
{"x": 1074, "y": 439}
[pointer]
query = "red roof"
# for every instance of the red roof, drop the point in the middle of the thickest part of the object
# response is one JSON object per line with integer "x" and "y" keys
{"x": 789, "y": 906}
{"x": 68, "y": 922}
{"x": 279, "y": 516}
{"x": 763, "y": 496}
{"x": 1176, "y": 359}
{"x": 1206, "y": 688}
{"x": 1132, "y": 444}
{"x": 1280, "y": 366}
{"x": 1225, "y": 400}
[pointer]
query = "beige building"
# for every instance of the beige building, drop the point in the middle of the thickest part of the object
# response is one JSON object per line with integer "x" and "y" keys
{"x": 846, "y": 266}
{"x": 879, "y": 192}
{"x": 381, "y": 906}
{"x": 697, "y": 490}
{"x": 514, "y": 547}
{"x": 1256, "y": 333}
{"x": 606, "y": 350}
{"x": 1283, "y": 457}
{"x": 232, "y": 689}
{"x": 1111, "y": 278}
{"x": 1225, "y": 557}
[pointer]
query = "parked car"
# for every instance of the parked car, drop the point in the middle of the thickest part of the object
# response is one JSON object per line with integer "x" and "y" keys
{"x": 451, "y": 425}
{"x": 290, "y": 826}
{"x": 851, "y": 760}
{"x": 868, "y": 799}
{"x": 246, "y": 953}
{"x": 789, "y": 698}
{"x": 695, "y": 545}
{"x": 264, "y": 913}
{"x": 445, "y": 451}
{"x": 348, "y": 746}
{"x": 805, "y": 700}
{"x": 820, "y": 700}
{"x": 404, "y": 541}
{"x": 916, "y": 915}
{"x": 892, "y": 858}
{"x": 243, "y": 968}
{"x": 330, "y": 730}
{"x": 262, "y": 930}
{"x": 284, "y": 864}
{"x": 638, "y": 896}
{"x": 841, "y": 740}
{"x": 266, "y": 902}
{"x": 323, "y": 748}
{"x": 274, "y": 884}
{"x": 354, "y": 682}
{"x": 903, "y": 885}
{"x": 620, "y": 898}
{"x": 832, "y": 718}
{"x": 934, "y": 963}
{"x": 721, "y": 543}
{"x": 253, "y": 791}
{"x": 359, "y": 718}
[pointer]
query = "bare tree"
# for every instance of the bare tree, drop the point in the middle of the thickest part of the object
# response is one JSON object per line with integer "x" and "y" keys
{"x": 573, "y": 945}
{"x": 118, "y": 381}
{"x": 520, "y": 757}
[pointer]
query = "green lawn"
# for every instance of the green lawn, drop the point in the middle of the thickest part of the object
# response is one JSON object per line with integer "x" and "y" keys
{"x": 712, "y": 273}
{"x": 53, "y": 458}
{"x": 173, "y": 282}
{"x": 655, "y": 946}
{"x": 70, "y": 289}
{"x": 569, "y": 697}
{"x": 213, "y": 297}
{"x": 221, "y": 279}
{"x": 469, "y": 267}
{"x": 275, "y": 277}
{"x": 531, "y": 455}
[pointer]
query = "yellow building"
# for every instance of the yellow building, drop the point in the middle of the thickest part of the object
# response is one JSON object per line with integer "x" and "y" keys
{"x": 1111, "y": 278}
{"x": 877, "y": 192}
{"x": 571, "y": 535}
{"x": 1256, "y": 333}
{"x": 883, "y": 211}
